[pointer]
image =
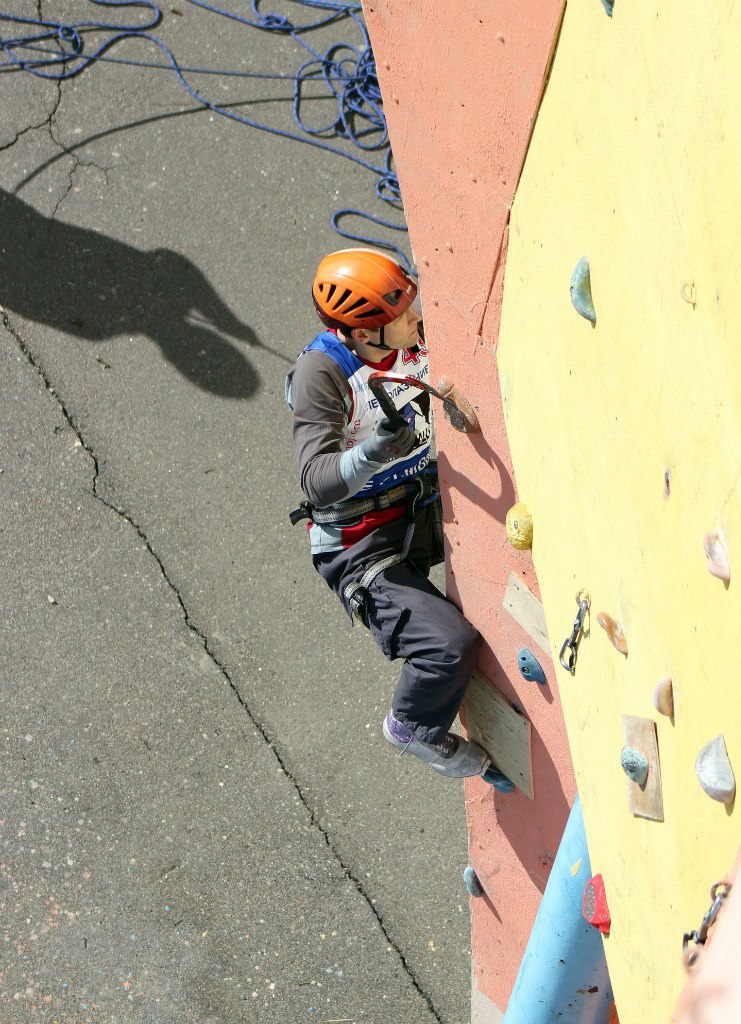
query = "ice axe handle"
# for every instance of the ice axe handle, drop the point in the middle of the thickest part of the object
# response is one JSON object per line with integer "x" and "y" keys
{"x": 375, "y": 382}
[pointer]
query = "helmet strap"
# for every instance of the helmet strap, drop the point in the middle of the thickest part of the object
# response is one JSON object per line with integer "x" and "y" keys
{"x": 371, "y": 344}
{"x": 380, "y": 344}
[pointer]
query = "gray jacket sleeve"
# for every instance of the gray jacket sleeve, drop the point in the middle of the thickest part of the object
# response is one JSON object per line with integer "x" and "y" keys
{"x": 321, "y": 400}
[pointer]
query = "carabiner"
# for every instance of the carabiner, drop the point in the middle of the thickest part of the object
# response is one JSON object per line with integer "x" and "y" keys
{"x": 571, "y": 643}
{"x": 717, "y": 894}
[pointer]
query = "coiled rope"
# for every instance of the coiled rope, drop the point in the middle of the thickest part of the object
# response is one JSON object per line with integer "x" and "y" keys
{"x": 59, "y": 50}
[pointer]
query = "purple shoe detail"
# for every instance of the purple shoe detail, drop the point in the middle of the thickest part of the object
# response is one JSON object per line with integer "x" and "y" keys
{"x": 399, "y": 732}
{"x": 402, "y": 734}
{"x": 454, "y": 757}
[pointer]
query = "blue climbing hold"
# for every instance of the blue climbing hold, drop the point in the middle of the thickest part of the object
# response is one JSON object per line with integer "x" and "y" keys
{"x": 608, "y": 6}
{"x": 497, "y": 780}
{"x": 530, "y": 666}
{"x": 473, "y": 884}
{"x": 581, "y": 290}
{"x": 635, "y": 764}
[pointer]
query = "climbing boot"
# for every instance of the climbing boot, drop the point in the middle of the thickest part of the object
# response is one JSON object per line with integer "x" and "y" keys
{"x": 452, "y": 756}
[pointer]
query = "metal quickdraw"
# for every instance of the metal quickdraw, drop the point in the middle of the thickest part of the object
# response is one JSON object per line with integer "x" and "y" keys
{"x": 571, "y": 643}
{"x": 717, "y": 894}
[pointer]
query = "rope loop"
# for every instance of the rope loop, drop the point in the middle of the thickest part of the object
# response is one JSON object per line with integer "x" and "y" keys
{"x": 68, "y": 34}
{"x": 276, "y": 23}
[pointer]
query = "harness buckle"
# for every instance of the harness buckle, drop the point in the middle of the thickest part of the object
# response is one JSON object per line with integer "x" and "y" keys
{"x": 358, "y": 602}
{"x": 304, "y": 511}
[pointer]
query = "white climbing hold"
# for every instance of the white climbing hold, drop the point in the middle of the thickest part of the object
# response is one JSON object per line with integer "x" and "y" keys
{"x": 718, "y": 564}
{"x": 581, "y": 290}
{"x": 713, "y": 769}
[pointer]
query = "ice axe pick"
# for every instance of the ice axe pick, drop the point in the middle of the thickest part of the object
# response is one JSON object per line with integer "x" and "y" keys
{"x": 458, "y": 410}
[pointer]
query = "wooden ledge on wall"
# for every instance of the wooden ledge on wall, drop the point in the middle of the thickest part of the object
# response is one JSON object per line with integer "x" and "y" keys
{"x": 503, "y": 732}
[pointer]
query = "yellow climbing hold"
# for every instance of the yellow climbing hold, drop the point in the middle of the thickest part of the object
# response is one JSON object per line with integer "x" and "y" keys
{"x": 519, "y": 526}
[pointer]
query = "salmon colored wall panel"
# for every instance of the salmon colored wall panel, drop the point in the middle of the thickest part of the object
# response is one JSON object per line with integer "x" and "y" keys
{"x": 461, "y": 88}
{"x": 461, "y": 85}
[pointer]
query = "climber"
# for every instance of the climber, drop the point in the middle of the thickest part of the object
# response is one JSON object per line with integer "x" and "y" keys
{"x": 375, "y": 521}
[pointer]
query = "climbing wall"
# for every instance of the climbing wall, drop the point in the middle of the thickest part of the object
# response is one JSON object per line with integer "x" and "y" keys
{"x": 596, "y": 333}
{"x": 461, "y": 90}
{"x": 623, "y": 422}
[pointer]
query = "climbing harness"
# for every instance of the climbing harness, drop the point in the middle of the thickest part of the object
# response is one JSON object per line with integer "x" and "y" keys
{"x": 347, "y": 511}
{"x": 420, "y": 491}
{"x": 356, "y": 592}
{"x": 571, "y": 643}
{"x": 718, "y": 894}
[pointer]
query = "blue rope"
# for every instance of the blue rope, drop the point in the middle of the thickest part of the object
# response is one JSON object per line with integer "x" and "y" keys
{"x": 57, "y": 50}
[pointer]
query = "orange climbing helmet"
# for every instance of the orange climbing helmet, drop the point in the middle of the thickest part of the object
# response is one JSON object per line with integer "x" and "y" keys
{"x": 361, "y": 288}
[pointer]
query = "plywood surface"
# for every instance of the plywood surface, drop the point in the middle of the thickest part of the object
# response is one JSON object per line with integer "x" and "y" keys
{"x": 526, "y": 609}
{"x": 501, "y": 730}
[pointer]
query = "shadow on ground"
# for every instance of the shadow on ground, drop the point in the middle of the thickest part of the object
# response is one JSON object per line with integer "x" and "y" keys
{"x": 86, "y": 284}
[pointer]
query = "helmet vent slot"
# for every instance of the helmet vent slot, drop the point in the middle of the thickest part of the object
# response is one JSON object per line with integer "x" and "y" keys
{"x": 343, "y": 298}
{"x": 369, "y": 312}
{"x": 356, "y": 305}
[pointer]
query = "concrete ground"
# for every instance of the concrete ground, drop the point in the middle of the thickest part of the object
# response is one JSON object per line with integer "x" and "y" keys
{"x": 201, "y": 821}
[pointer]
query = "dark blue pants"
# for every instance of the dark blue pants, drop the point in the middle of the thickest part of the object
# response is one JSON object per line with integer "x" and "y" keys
{"x": 409, "y": 618}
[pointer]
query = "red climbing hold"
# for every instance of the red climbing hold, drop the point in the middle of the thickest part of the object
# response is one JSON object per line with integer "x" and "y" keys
{"x": 594, "y": 906}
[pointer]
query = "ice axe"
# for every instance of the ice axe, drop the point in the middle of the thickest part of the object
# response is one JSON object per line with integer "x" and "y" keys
{"x": 458, "y": 410}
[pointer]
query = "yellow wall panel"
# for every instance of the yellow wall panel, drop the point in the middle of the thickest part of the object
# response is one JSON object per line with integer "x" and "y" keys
{"x": 635, "y": 163}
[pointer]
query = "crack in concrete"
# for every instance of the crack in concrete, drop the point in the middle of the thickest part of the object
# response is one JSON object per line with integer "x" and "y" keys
{"x": 49, "y": 124}
{"x": 22, "y": 132}
{"x": 77, "y": 162}
{"x": 205, "y": 643}
{"x": 46, "y": 123}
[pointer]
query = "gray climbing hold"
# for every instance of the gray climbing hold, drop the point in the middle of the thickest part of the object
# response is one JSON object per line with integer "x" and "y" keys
{"x": 581, "y": 290}
{"x": 473, "y": 884}
{"x": 635, "y": 764}
{"x": 714, "y": 771}
{"x": 608, "y": 6}
{"x": 530, "y": 666}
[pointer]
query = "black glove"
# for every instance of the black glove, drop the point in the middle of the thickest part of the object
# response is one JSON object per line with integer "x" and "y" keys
{"x": 388, "y": 442}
